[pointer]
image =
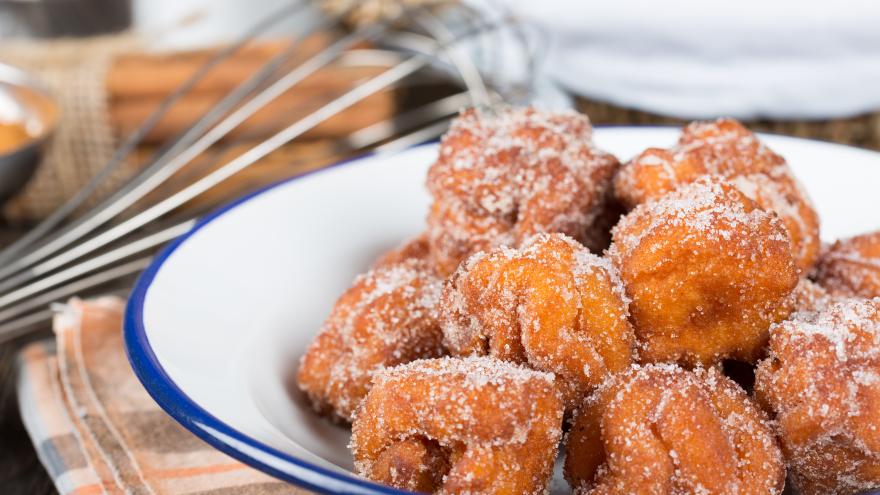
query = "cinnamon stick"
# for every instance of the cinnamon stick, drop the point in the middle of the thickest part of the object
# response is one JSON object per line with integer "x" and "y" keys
{"x": 127, "y": 116}
{"x": 139, "y": 75}
{"x": 138, "y": 83}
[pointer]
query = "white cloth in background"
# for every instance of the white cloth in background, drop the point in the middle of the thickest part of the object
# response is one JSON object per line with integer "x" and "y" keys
{"x": 500, "y": 53}
{"x": 797, "y": 59}
{"x": 784, "y": 59}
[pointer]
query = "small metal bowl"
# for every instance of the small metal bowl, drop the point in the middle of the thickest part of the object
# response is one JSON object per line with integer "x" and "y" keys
{"x": 24, "y": 100}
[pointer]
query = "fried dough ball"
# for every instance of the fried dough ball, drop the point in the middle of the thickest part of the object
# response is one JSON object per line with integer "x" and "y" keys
{"x": 550, "y": 304}
{"x": 416, "y": 248}
{"x": 664, "y": 430}
{"x": 455, "y": 233}
{"x": 785, "y": 197}
{"x": 505, "y": 174}
{"x": 465, "y": 426}
{"x": 707, "y": 272}
{"x": 810, "y": 296}
{"x": 822, "y": 380}
{"x": 387, "y": 317}
{"x": 723, "y": 147}
{"x": 851, "y": 267}
{"x": 727, "y": 149}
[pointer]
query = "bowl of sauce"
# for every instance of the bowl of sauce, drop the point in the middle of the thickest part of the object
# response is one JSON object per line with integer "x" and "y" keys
{"x": 28, "y": 117}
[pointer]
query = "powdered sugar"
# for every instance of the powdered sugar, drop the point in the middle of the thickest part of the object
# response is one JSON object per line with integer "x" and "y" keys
{"x": 501, "y": 420}
{"x": 387, "y": 317}
{"x": 823, "y": 369}
{"x": 705, "y": 209}
{"x": 506, "y": 173}
{"x": 722, "y": 147}
{"x": 551, "y": 304}
{"x": 659, "y": 423}
{"x": 852, "y": 266}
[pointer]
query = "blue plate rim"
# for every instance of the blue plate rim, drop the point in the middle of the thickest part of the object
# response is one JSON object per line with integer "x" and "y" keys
{"x": 196, "y": 419}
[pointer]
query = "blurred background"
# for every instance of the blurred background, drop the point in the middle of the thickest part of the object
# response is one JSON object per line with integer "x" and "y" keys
{"x": 80, "y": 78}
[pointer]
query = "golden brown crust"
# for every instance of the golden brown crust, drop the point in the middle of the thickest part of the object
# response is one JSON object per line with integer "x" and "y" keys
{"x": 851, "y": 267}
{"x": 456, "y": 233}
{"x": 505, "y": 174}
{"x": 387, "y": 317}
{"x": 660, "y": 429}
{"x": 415, "y": 464}
{"x": 707, "y": 272}
{"x": 822, "y": 380}
{"x": 810, "y": 296}
{"x": 550, "y": 304}
{"x": 723, "y": 147}
{"x": 494, "y": 426}
{"x": 727, "y": 149}
{"x": 416, "y": 248}
{"x": 785, "y": 197}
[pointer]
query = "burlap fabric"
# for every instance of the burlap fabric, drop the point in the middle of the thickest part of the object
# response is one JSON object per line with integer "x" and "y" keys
{"x": 74, "y": 71}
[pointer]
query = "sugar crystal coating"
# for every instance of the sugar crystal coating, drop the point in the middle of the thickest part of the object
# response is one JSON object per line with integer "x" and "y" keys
{"x": 727, "y": 149}
{"x": 851, "y": 267}
{"x": 703, "y": 271}
{"x": 822, "y": 381}
{"x": 723, "y": 147}
{"x": 387, "y": 317}
{"x": 707, "y": 272}
{"x": 663, "y": 430}
{"x": 785, "y": 197}
{"x": 493, "y": 426}
{"x": 416, "y": 248}
{"x": 507, "y": 173}
{"x": 809, "y": 296}
{"x": 550, "y": 304}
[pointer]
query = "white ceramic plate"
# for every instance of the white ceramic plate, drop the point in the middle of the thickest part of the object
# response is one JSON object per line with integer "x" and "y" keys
{"x": 216, "y": 325}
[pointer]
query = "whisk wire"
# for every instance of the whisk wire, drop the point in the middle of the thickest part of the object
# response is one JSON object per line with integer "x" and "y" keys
{"x": 469, "y": 72}
{"x": 72, "y": 289}
{"x": 47, "y": 266}
{"x": 234, "y": 166}
{"x": 442, "y": 109}
{"x": 182, "y": 152}
{"x": 10, "y": 327}
{"x": 46, "y": 226}
{"x": 148, "y": 242}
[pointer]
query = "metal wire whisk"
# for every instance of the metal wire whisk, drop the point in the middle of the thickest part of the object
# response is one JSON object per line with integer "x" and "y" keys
{"x": 71, "y": 254}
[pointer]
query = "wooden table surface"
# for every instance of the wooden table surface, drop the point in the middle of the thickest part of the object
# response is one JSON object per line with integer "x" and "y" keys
{"x": 20, "y": 471}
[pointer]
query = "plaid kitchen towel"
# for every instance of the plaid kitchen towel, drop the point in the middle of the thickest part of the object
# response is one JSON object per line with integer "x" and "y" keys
{"x": 96, "y": 429}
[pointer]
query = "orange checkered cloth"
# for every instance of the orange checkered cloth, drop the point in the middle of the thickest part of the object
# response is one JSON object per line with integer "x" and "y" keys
{"x": 96, "y": 429}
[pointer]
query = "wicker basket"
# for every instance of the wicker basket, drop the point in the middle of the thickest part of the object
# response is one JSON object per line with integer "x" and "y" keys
{"x": 863, "y": 130}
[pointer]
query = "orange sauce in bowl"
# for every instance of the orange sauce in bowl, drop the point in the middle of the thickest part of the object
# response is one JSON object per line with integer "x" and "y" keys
{"x": 12, "y": 136}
